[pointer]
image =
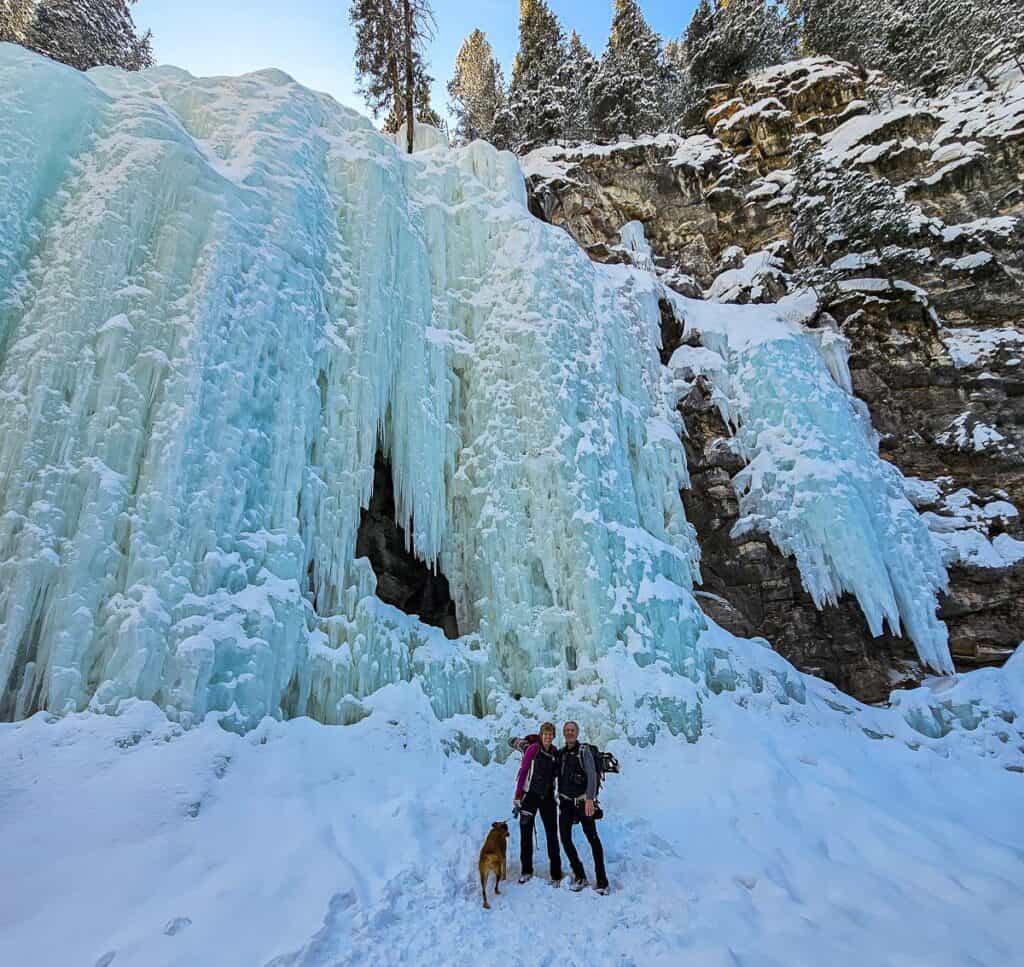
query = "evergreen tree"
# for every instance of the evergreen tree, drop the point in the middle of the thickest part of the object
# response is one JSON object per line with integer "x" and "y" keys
{"x": 951, "y": 40}
{"x": 477, "y": 89}
{"x": 629, "y": 89}
{"x": 15, "y": 17}
{"x": 378, "y": 42}
{"x": 424, "y": 111}
{"x": 80, "y": 33}
{"x": 730, "y": 39}
{"x": 835, "y": 203}
{"x": 929, "y": 44}
{"x": 580, "y": 72}
{"x": 390, "y": 67}
{"x": 538, "y": 93}
{"x": 688, "y": 90}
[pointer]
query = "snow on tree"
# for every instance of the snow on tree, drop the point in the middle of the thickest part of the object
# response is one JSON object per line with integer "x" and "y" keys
{"x": 947, "y": 41}
{"x": 15, "y": 17}
{"x": 842, "y": 204}
{"x": 729, "y": 39}
{"x": 688, "y": 89}
{"x": 924, "y": 43}
{"x": 80, "y": 33}
{"x": 582, "y": 69}
{"x": 477, "y": 90}
{"x": 538, "y": 93}
{"x": 628, "y": 91}
{"x": 390, "y": 66}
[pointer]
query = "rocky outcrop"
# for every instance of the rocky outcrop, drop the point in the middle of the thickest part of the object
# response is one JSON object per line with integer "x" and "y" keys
{"x": 936, "y": 335}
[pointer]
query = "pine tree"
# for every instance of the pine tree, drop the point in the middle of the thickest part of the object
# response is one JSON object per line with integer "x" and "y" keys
{"x": 377, "y": 37}
{"x": 477, "y": 89}
{"x": 390, "y": 66}
{"x": 538, "y": 93}
{"x": 929, "y": 44}
{"x": 688, "y": 90}
{"x": 424, "y": 111}
{"x": 729, "y": 39}
{"x": 835, "y": 203}
{"x": 957, "y": 39}
{"x": 629, "y": 90}
{"x": 80, "y": 33}
{"x": 580, "y": 71}
{"x": 15, "y": 17}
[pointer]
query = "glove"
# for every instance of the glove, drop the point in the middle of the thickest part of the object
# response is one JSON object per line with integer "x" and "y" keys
{"x": 517, "y": 805}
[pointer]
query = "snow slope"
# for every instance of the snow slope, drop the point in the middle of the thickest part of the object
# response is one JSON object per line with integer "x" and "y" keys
{"x": 788, "y": 834}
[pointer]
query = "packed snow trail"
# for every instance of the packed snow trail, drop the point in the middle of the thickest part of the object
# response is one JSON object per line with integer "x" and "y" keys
{"x": 785, "y": 835}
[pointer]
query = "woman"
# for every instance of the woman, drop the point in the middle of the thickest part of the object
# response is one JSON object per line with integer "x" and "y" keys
{"x": 535, "y": 793}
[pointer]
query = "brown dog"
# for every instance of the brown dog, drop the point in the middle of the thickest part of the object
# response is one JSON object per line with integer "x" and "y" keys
{"x": 492, "y": 858}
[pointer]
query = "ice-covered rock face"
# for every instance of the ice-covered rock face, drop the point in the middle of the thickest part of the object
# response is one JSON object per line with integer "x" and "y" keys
{"x": 218, "y": 299}
{"x": 813, "y": 480}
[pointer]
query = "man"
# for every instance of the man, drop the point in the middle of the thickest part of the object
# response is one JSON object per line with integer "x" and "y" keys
{"x": 535, "y": 793}
{"x": 577, "y": 790}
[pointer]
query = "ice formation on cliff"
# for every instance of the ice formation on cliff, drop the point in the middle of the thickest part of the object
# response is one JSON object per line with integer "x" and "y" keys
{"x": 814, "y": 481}
{"x": 219, "y": 298}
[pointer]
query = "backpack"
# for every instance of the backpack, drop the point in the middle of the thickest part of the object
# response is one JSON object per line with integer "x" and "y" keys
{"x": 604, "y": 762}
{"x": 521, "y": 745}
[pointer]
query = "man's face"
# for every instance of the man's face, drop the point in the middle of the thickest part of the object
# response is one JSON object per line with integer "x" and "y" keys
{"x": 570, "y": 732}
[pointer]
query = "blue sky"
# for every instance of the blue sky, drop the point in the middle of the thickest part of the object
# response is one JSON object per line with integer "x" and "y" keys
{"x": 312, "y": 41}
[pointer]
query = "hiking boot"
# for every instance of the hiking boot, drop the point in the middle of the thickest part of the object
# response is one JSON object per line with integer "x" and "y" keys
{"x": 525, "y": 878}
{"x": 578, "y": 883}
{"x": 603, "y": 889}
{"x": 556, "y": 881}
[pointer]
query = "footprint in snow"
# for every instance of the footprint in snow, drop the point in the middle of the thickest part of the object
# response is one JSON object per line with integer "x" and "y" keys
{"x": 176, "y": 926}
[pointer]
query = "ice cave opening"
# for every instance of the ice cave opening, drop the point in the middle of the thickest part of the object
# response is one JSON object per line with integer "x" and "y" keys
{"x": 403, "y": 580}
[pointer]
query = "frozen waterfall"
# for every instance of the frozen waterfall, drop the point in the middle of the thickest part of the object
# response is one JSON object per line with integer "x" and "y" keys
{"x": 218, "y": 299}
{"x": 814, "y": 481}
{"x": 221, "y": 299}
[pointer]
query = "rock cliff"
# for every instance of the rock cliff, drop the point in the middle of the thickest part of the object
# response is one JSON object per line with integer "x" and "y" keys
{"x": 935, "y": 328}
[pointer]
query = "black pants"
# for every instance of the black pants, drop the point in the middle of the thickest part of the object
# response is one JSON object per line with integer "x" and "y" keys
{"x": 569, "y": 812}
{"x": 532, "y": 805}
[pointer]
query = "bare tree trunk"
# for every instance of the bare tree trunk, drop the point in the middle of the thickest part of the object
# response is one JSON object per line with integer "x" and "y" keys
{"x": 409, "y": 79}
{"x": 387, "y": 11}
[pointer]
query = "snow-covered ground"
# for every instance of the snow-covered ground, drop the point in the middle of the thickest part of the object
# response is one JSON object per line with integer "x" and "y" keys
{"x": 787, "y": 835}
{"x": 218, "y": 298}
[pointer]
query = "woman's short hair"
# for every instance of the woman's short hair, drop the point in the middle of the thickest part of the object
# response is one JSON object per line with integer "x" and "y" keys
{"x": 547, "y": 727}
